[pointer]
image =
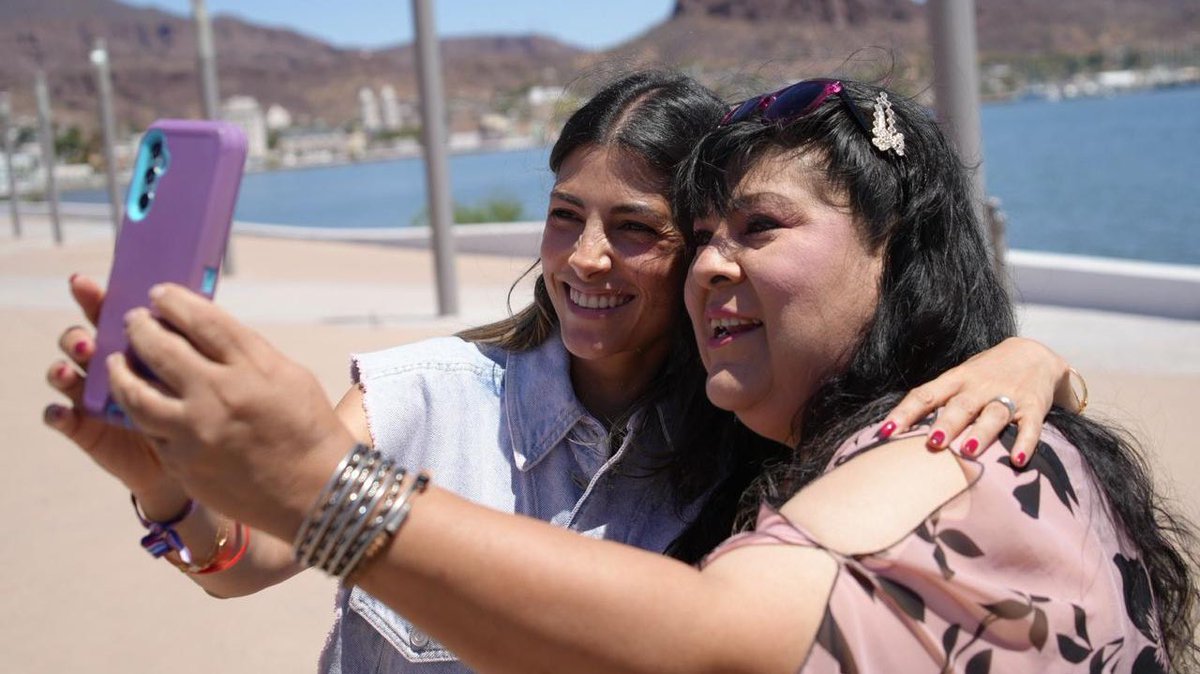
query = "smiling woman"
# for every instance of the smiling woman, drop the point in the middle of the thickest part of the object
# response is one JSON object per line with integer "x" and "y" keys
{"x": 612, "y": 260}
{"x": 894, "y": 558}
{"x": 766, "y": 270}
{"x": 584, "y": 410}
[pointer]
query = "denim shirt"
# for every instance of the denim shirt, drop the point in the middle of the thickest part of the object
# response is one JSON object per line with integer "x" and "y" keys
{"x": 504, "y": 430}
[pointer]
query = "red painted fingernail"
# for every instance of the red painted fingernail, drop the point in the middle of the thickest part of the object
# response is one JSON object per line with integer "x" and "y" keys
{"x": 61, "y": 372}
{"x": 71, "y": 281}
{"x": 81, "y": 348}
{"x": 1020, "y": 458}
{"x": 887, "y": 430}
{"x": 970, "y": 446}
{"x": 937, "y": 438}
{"x": 55, "y": 413}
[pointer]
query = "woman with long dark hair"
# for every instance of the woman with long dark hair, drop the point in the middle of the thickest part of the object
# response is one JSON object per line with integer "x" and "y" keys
{"x": 584, "y": 410}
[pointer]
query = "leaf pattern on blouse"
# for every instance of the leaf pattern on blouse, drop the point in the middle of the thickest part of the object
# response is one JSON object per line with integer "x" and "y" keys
{"x": 1057, "y": 590}
{"x": 1044, "y": 463}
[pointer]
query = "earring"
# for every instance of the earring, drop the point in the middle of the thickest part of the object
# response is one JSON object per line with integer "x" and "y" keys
{"x": 883, "y": 127}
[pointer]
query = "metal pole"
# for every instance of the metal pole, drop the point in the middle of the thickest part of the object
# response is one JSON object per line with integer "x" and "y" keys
{"x": 207, "y": 61}
{"x": 104, "y": 86}
{"x": 956, "y": 86}
{"x": 48, "y": 157}
{"x": 5, "y": 113}
{"x": 437, "y": 173}
{"x": 209, "y": 96}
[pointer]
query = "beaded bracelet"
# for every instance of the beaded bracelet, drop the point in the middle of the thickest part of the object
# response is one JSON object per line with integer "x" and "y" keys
{"x": 375, "y": 494}
{"x": 359, "y": 488}
{"x": 360, "y": 509}
{"x": 162, "y": 537}
{"x": 318, "y": 516}
{"x": 380, "y": 536}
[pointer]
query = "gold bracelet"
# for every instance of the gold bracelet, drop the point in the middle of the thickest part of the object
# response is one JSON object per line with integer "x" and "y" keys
{"x": 194, "y": 567}
{"x": 1081, "y": 399}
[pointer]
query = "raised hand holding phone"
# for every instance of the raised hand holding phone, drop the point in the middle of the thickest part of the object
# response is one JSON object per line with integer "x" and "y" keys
{"x": 178, "y": 212}
{"x": 176, "y": 225}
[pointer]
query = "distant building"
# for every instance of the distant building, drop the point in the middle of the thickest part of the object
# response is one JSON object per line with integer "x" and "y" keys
{"x": 369, "y": 110}
{"x": 494, "y": 126}
{"x": 539, "y": 95}
{"x": 278, "y": 117}
{"x": 299, "y": 147}
{"x": 1119, "y": 79}
{"x": 390, "y": 107}
{"x": 25, "y": 167}
{"x": 246, "y": 113}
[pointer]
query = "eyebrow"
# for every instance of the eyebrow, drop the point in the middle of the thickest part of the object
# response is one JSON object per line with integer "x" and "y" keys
{"x": 760, "y": 199}
{"x": 633, "y": 208}
{"x": 569, "y": 198}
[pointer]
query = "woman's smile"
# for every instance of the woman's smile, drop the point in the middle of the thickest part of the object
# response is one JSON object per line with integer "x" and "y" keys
{"x": 596, "y": 300}
{"x": 724, "y": 328}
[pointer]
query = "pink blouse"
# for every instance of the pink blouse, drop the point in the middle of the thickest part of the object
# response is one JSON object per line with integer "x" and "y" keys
{"x": 1034, "y": 577}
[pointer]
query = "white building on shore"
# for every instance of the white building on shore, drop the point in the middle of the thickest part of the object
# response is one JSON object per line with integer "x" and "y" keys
{"x": 368, "y": 106}
{"x": 278, "y": 117}
{"x": 246, "y": 113}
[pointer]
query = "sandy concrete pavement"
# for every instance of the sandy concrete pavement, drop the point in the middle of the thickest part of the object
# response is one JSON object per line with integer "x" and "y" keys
{"x": 80, "y": 596}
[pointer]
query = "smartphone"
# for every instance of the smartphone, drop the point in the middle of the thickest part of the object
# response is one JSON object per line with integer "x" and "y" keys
{"x": 177, "y": 218}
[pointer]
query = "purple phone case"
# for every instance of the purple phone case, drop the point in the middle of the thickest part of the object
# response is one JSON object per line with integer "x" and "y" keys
{"x": 182, "y": 235}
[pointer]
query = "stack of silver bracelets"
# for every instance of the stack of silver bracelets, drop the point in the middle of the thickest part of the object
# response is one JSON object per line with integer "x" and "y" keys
{"x": 361, "y": 508}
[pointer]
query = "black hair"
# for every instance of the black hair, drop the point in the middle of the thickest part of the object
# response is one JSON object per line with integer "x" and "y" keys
{"x": 940, "y": 302}
{"x": 656, "y": 118}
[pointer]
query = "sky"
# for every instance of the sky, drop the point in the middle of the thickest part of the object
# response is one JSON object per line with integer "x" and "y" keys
{"x": 592, "y": 24}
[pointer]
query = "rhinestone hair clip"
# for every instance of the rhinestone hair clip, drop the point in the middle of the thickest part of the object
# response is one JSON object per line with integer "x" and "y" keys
{"x": 884, "y": 134}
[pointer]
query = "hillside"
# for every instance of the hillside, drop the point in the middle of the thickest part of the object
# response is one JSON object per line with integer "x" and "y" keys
{"x": 153, "y": 56}
{"x": 730, "y": 43}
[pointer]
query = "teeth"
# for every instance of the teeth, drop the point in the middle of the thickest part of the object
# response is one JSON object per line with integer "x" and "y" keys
{"x": 721, "y": 327}
{"x": 598, "y": 301}
{"x": 731, "y": 322}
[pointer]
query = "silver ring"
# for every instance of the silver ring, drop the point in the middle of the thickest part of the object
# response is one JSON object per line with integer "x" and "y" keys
{"x": 1008, "y": 403}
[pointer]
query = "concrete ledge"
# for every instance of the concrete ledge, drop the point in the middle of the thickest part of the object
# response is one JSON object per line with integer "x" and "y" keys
{"x": 512, "y": 239}
{"x": 1077, "y": 281}
{"x": 1150, "y": 288}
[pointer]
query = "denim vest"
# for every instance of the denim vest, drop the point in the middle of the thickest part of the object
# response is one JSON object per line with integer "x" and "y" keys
{"x": 504, "y": 430}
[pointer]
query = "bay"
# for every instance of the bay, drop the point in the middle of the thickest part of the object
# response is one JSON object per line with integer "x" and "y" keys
{"x": 1110, "y": 177}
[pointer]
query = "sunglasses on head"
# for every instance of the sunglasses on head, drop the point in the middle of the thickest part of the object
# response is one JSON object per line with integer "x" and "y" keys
{"x": 799, "y": 99}
{"x": 791, "y": 102}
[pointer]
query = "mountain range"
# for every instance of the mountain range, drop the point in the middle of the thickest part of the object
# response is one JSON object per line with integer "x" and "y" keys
{"x": 728, "y": 43}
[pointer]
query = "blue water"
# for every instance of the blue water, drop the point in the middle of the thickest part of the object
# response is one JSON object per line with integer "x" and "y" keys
{"x": 1114, "y": 177}
{"x": 392, "y": 193}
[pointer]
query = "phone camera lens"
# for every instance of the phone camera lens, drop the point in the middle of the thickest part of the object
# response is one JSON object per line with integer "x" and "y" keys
{"x": 151, "y": 176}
{"x": 156, "y": 149}
{"x": 144, "y": 201}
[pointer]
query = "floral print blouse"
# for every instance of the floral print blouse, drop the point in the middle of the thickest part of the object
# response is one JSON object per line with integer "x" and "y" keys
{"x": 1035, "y": 577}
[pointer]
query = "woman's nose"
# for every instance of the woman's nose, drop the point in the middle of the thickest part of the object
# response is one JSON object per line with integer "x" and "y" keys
{"x": 593, "y": 252}
{"x": 715, "y": 265}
